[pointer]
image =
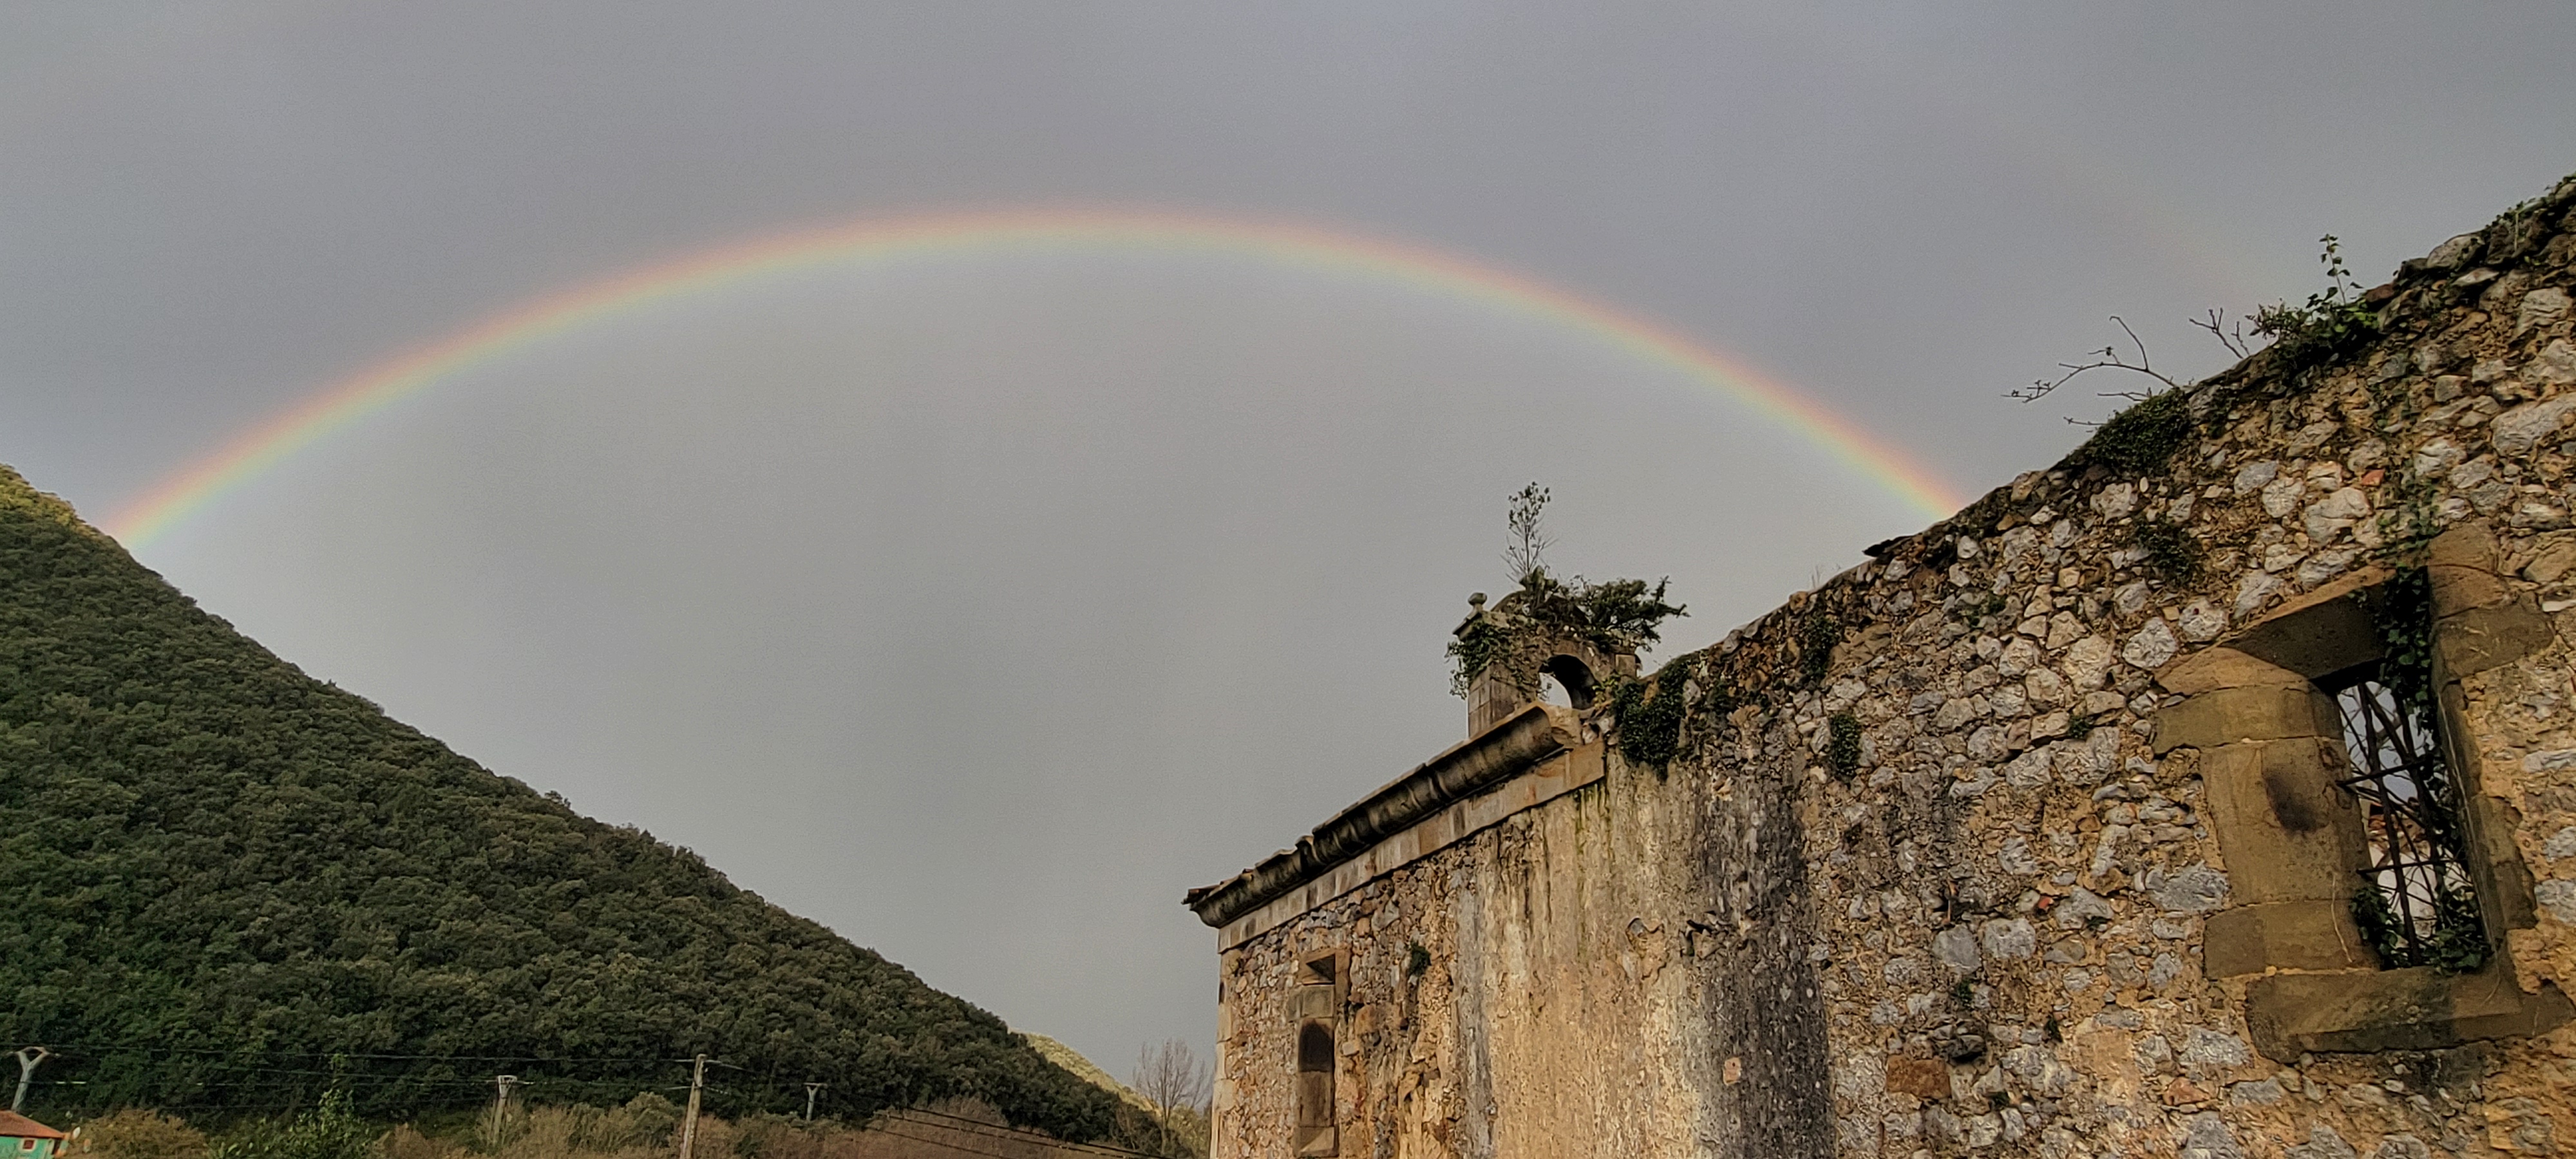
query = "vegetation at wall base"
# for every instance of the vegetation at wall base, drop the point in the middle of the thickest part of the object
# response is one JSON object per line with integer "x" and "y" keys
{"x": 2457, "y": 943}
{"x": 227, "y": 888}
{"x": 330, "y": 1130}
{"x": 645, "y": 1128}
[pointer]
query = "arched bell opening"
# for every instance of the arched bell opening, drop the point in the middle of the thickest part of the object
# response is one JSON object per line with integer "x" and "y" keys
{"x": 1574, "y": 677}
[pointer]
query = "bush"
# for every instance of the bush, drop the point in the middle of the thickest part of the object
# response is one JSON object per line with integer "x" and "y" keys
{"x": 2333, "y": 323}
{"x": 1650, "y": 716}
{"x": 2169, "y": 551}
{"x": 2144, "y": 437}
{"x": 136, "y": 1133}
{"x": 329, "y": 1131}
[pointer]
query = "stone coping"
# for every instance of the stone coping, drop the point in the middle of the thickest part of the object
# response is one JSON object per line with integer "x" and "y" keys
{"x": 1489, "y": 758}
{"x": 1533, "y": 786}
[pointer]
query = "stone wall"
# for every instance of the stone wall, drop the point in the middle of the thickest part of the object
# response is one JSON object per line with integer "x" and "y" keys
{"x": 2085, "y": 889}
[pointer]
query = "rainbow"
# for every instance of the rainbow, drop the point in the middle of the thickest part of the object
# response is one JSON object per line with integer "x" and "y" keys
{"x": 336, "y": 407}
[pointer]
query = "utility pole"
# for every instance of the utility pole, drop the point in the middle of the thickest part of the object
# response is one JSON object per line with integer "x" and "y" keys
{"x": 28, "y": 1057}
{"x": 810, "y": 1088}
{"x": 501, "y": 1103}
{"x": 689, "y": 1126}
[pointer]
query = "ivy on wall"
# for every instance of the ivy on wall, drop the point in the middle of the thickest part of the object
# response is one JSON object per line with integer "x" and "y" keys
{"x": 2144, "y": 437}
{"x": 1842, "y": 745}
{"x": 1650, "y": 715}
{"x": 2402, "y": 612}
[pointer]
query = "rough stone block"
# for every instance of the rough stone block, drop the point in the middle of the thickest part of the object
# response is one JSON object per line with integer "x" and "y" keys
{"x": 2211, "y": 669}
{"x": 2325, "y": 631}
{"x": 1315, "y": 1003}
{"x": 2414, "y": 1009}
{"x": 2476, "y": 640}
{"x": 2234, "y": 715}
{"x": 2292, "y": 935}
{"x": 2467, "y": 545}
{"x": 2556, "y": 557}
{"x": 2460, "y": 589}
{"x": 1923, "y": 1078}
{"x": 2288, "y": 830}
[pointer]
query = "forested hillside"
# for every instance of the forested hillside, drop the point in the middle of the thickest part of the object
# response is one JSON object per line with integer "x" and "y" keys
{"x": 226, "y": 886}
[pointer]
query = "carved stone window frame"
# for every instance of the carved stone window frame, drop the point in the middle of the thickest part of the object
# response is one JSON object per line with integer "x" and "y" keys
{"x": 1315, "y": 1002}
{"x": 2271, "y": 754}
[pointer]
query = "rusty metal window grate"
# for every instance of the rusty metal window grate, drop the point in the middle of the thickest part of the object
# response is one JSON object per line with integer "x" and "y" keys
{"x": 2418, "y": 905}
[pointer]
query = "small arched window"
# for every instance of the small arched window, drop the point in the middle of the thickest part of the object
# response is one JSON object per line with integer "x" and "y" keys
{"x": 1574, "y": 676}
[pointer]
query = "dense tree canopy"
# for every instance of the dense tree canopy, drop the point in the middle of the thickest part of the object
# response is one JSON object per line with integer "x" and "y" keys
{"x": 227, "y": 886}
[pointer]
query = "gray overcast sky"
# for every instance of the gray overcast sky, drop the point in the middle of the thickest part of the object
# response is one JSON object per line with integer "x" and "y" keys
{"x": 977, "y": 607}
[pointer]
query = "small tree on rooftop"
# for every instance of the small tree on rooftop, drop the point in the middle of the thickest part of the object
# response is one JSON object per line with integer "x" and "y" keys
{"x": 1525, "y": 554}
{"x": 1614, "y": 616}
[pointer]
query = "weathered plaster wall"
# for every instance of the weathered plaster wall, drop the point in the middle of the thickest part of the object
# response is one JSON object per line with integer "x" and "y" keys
{"x": 1989, "y": 936}
{"x": 1567, "y": 991}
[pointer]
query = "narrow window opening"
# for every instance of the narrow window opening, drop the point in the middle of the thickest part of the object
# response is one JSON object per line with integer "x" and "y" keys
{"x": 1315, "y": 1134}
{"x": 1315, "y": 1049}
{"x": 2418, "y": 904}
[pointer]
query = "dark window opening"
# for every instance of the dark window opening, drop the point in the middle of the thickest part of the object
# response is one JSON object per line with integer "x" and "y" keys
{"x": 1573, "y": 676}
{"x": 2418, "y": 904}
{"x": 1316, "y": 1133}
{"x": 1315, "y": 1048}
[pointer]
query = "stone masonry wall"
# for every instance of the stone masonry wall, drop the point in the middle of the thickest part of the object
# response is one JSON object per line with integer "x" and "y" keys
{"x": 1986, "y": 935}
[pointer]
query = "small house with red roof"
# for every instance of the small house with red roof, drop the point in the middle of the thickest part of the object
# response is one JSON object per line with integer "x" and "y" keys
{"x": 25, "y": 1138}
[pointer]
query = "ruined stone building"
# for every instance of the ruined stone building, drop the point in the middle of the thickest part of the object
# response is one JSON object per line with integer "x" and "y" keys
{"x": 2212, "y": 793}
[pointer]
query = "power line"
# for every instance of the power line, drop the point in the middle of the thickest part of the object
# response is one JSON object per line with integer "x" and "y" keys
{"x": 161, "y": 1048}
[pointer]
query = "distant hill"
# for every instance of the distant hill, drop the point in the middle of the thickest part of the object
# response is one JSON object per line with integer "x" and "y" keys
{"x": 226, "y": 887}
{"x": 1083, "y": 1068}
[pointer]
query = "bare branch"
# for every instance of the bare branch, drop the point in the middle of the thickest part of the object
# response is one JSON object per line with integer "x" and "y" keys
{"x": 2231, "y": 336}
{"x": 2133, "y": 341}
{"x": 2107, "y": 358}
{"x": 1177, "y": 1084}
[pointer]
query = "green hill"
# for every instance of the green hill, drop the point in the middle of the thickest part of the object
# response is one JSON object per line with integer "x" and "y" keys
{"x": 1088, "y": 1071}
{"x": 227, "y": 887}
